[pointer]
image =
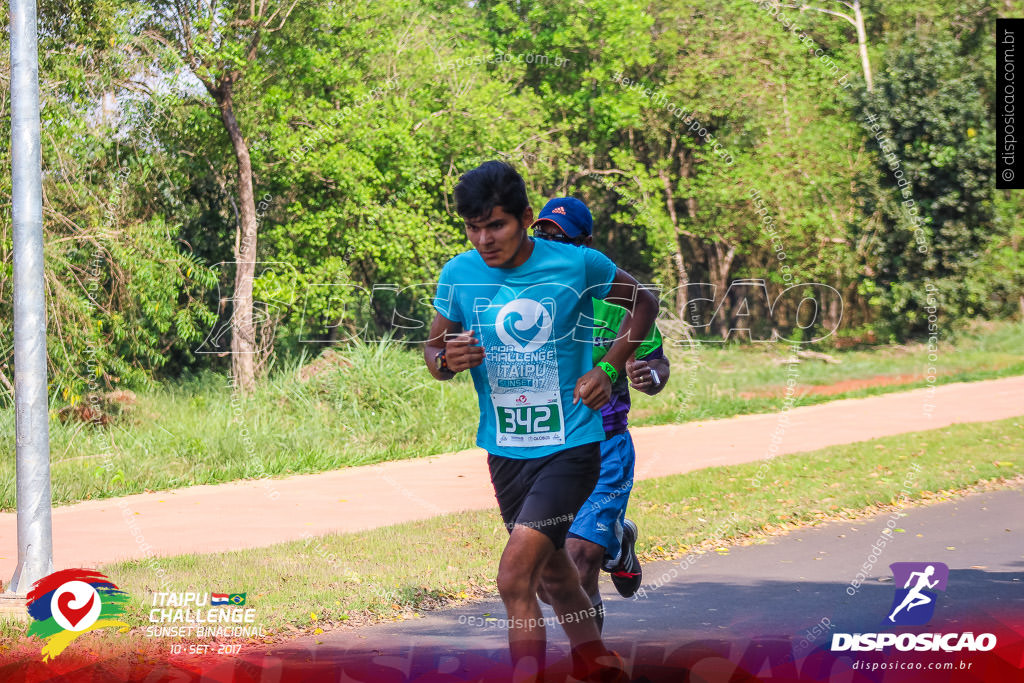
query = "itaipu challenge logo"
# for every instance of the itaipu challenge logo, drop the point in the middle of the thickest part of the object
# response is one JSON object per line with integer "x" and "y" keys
{"x": 68, "y": 603}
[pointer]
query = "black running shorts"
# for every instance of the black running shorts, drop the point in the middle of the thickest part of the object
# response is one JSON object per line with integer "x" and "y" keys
{"x": 545, "y": 493}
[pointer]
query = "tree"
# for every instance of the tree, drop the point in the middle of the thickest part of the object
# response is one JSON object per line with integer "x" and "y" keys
{"x": 933, "y": 146}
{"x": 219, "y": 43}
{"x": 856, "y": 19}
{"x": 124, "y": 297}
{"x": 757, "y": 115}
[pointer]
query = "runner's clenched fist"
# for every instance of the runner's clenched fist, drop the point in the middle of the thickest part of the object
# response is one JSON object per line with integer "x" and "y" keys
{"x": 639, "y": 372}
{"x": 593, "y": 388}
{"x": 463, "y": 351}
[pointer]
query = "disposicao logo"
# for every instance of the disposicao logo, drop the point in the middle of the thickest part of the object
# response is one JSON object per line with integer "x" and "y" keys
{"x": 68, "y": 603}
{"x": 913, "y": 605}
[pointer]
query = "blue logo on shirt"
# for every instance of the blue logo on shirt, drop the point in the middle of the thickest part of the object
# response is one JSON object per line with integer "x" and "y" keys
{"x": 524, "y": 324}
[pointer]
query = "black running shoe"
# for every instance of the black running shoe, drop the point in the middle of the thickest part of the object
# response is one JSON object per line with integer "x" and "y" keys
{"x": 628, "y": 576}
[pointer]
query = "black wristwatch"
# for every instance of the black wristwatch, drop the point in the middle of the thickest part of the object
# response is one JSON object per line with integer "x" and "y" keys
{"x": 441, "y": 361}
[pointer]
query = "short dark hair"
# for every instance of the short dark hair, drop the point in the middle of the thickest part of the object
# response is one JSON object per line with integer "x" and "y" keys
{"x": 491, "y": 184}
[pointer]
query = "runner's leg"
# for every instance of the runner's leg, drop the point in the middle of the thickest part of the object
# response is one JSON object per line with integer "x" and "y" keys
{"x": 540, "y": 499}
{"x": 568, "y": 599}
{"x": 519, "y": 573}
{"x": 588, "y": 556}
{"x": 903, "y": 604}
{"x": 918, "y": 601}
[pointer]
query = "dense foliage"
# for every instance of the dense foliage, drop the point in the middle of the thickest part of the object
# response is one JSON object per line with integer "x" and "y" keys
{"x": 728, "y": 149}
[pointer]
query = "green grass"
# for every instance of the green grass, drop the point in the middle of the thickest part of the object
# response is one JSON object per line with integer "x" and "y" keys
{"x": 392, "y": 572}
{"x": 385, "y": 406}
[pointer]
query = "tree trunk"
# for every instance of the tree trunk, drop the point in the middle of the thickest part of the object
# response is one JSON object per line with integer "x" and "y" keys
{"x": 682, "y": 277}
{"x": 862, "y": 44}
{"x": 720, "y": 257}
{"x": 834, "y": 310}
{"x": 682, "y": 237}
{"x": 243, "y": 333}
{"x": 693, "y": 316}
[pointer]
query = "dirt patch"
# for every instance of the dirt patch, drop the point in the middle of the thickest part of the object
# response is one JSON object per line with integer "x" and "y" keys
{"x": 866, "y": 339}
{"x": 837, "y": 388}
{"x": 329, "y": 360}
{"x": 99, "y": 409}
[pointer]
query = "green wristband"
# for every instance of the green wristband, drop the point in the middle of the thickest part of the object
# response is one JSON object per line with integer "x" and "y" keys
{"x": 613, "y": 374}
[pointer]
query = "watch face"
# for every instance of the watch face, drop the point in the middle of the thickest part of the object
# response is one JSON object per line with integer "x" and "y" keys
{"x": 439, "y": 360}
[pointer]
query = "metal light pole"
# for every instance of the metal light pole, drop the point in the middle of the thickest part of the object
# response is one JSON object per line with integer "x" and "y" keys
{"x": 35, "y": 542}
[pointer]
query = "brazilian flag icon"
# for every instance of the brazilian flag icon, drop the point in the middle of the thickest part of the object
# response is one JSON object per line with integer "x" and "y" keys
{"x": 237, "y": 598}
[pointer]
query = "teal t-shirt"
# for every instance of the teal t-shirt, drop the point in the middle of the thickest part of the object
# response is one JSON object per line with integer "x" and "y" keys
{"x": 535, "y": 323}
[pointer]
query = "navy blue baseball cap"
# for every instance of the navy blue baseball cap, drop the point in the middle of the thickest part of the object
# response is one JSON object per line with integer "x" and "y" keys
{"x": 569, "y": 214}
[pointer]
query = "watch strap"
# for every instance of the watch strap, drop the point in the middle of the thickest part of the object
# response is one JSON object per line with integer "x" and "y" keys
{"x": 441, "y": 361}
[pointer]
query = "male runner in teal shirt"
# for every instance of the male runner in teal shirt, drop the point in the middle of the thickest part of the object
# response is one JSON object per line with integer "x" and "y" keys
{"x": 513, "y": 312}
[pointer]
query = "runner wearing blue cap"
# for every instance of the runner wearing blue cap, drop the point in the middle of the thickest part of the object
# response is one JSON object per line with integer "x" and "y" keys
{"x": 514, "y": 311}
{"x": 601, "y": 537}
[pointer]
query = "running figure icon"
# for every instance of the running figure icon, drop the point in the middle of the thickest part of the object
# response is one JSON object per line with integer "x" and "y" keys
{"x": 915, "y": 597}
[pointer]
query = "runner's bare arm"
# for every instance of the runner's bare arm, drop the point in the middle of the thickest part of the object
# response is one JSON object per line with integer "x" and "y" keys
{"x": 643, "y": 310}
{"x": 462, "y": 348}
{"x": 594, "y": 388}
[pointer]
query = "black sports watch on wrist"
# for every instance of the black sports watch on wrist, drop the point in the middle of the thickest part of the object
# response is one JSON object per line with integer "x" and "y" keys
{"x": 441, "y": 361}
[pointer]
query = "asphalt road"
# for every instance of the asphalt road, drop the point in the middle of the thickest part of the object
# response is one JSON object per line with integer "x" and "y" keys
{"x": 757, "y": 613}
{"x": 767, "y": 610}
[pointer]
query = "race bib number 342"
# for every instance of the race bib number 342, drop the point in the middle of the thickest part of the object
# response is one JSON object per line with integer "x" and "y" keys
{"x": 529, "y": 424}
{"x": 522, "y": 370}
